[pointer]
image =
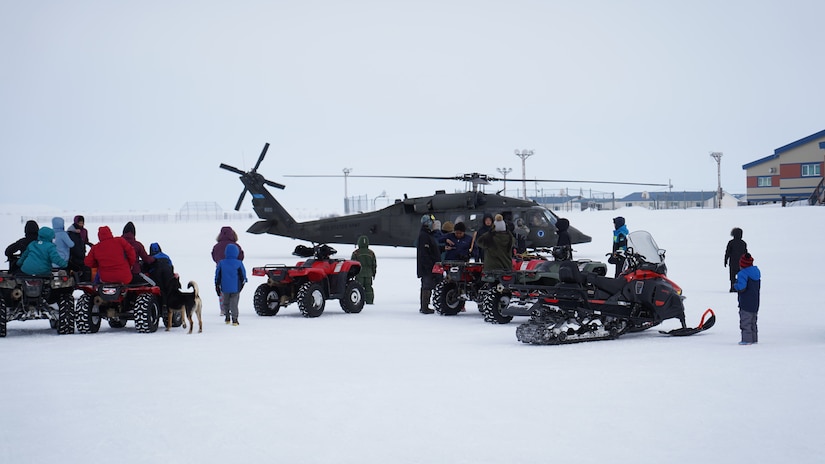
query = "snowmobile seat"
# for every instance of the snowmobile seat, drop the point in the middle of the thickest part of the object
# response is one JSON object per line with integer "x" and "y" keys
{"x": 608, "y": 284}
{"x": 569, "y": 273}
{"x": 309, "y": 262}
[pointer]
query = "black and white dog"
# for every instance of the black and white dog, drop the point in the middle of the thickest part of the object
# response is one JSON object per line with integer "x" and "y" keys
{"x": 186, "y": 302}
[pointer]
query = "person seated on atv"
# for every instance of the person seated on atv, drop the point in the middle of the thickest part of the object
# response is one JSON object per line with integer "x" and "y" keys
{"x": 458, "y": 244}
{"x": 112, "y": 256}
{"x": 143, "y": 258}
{"x": 17, "y": 248}
{"x": 41, "y": 255}
{"x": 161, "y": 271}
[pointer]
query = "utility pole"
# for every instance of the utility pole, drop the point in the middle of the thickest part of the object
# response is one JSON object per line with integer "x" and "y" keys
{"x": 524, "y": 154}
{"x": 717, "y": 155}
{"x": 504, "y": 172}
{"x": 346, "y": 195}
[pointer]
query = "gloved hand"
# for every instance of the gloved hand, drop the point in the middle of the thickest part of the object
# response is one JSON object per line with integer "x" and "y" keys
{"x": 218, "y": 290}
{"x": 726, "y": 263}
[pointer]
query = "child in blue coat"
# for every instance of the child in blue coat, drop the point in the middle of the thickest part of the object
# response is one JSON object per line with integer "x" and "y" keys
{"x": 41, "y": 255}
{"x": 230, "y": 277}
{"x": 748, "y": 284}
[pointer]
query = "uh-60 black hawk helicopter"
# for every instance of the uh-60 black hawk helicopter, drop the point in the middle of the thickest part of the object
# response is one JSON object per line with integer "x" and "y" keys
{"x": 398, "y": 224}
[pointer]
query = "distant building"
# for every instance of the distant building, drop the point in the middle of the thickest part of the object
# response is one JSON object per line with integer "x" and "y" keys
{"x": 674, "y": 200}
{"x": 792, "y": 172}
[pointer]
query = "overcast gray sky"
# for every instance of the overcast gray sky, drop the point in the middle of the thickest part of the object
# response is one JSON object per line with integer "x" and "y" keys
{"x": 135, "y": 104}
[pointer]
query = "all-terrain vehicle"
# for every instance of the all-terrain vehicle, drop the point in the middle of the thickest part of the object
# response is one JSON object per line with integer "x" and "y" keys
{"x": 538, "y": 272}
{"x": 586, "y": 306}
{"x": 310, "y": 283}
{"x": 24, "y": 298}
{"x": 117, "y": 303}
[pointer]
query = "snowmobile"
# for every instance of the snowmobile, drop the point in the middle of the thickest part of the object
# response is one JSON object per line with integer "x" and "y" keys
{"x": 25, "y": 297}
{"x": 585, "y": 306}
{"x": 310, "y": 283}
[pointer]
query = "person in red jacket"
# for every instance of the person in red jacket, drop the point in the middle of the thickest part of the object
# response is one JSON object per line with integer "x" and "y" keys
{"x": 112, "y": 256}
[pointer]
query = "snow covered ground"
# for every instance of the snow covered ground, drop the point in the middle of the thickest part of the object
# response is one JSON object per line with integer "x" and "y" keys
{"x": 390, "y": 385}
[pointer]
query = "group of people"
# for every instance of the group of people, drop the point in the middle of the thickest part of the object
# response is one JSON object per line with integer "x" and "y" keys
{"x": 43, "y": 249}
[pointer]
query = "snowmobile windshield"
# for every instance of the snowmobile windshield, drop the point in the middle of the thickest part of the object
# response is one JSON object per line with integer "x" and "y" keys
{"x": 643, "y": 244}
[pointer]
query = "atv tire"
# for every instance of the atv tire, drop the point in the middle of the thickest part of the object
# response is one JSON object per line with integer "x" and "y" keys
{"x": 146, "y": 313}
{"x": 2, "y": 318}
{"x": 65, "y": 315}
{"x": 353, "y": 299}
{"x": 311, "y": 299}
{"x": 491, "y": 304}
{"x": 266, "y": 301}
{"x": 447, "y": 300}
{"x": 86, "y": 315}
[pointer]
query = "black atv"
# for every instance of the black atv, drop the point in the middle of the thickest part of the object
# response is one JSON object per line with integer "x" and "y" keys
{"x": 23, "y": 298}
{"x": 118, "y": 303}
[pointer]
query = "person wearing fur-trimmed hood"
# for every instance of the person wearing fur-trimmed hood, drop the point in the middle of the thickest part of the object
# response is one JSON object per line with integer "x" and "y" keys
{"x": 498, "y": 245}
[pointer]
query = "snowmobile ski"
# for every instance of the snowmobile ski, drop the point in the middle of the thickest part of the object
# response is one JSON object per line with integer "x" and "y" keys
{"x": 703, "y": 325}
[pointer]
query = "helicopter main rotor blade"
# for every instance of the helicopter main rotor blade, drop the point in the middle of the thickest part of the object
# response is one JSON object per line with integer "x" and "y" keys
{"x": 261, "y": 158}
{"x": 232, "y": 169}
{"x": 274, "y": 184}
{"x": 240, "y": 200}
{"x": 592, "y": 182}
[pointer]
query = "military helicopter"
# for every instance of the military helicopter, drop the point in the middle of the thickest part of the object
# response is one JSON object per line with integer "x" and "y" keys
{"x": 398, "y": 224}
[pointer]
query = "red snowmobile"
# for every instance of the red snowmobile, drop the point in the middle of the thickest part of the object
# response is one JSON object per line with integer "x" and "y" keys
{"x": 310, "y": 283}
{"x": 585, "y": 306}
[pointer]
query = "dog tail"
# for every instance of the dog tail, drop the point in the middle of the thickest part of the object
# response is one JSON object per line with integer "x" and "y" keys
{"x": 193, "y": 285}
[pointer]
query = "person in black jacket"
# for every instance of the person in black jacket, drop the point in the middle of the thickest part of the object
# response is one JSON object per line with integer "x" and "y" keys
{"x": 17, "y": 248}
{"x": 735, "y": 249}
{"x": 564, "y": 247}
{"x": 427, "y": 254}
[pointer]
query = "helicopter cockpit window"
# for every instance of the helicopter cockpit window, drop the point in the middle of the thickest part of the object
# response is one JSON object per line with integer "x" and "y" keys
{"x": 550, "y": 218}
{"x": 537, "y": 219}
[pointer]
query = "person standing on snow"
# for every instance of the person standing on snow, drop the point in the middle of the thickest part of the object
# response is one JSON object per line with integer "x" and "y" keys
{"x": 498, "y": 246}
{"x": 369, "y": 266}
{"x": 226, "y": 236}
{"x": 735, "y": 249}
{"x": 620, "y": 233}
{"x": 427, "y": 254}
{"x": 230, "y": 277}
{"x": 748, "y": 284}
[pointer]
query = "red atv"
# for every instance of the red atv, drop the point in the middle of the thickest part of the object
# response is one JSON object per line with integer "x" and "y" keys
{"x": 464, "y": 281}
{"x": 310, "y": 283}
{"x": 117, "y": 303}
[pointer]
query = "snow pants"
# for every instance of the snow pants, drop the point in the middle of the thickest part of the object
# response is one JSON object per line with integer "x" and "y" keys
{"x": 229, "y": 305}
{"x": 747, "y": 324}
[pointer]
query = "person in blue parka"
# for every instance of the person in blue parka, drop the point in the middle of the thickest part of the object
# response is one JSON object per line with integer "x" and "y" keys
{"x": 230, "y": 276}
{"x": 748, "y": 284}
{"x": 62, "y": 240}
{"x": 41, "y": 255}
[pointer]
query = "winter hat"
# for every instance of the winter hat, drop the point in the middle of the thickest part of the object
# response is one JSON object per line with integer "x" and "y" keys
{"x": 746, "y": 261}
{"x": 562, "y": 224}
{"x": 618, "y": 221}
{"x": 426, "y": 220}
{"x": 448, "y": 227}
{"x": 499, "y": 224}
{"x": 736, "y": 233}
{"x": 129, "y": 227}
{"x": 436, "y": 225}
{"x": 154, "y": 248}
{"x": 79, "y": 218}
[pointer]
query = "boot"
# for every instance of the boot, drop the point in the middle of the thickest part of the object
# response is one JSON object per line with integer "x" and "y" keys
{"x": 425, "y": 302}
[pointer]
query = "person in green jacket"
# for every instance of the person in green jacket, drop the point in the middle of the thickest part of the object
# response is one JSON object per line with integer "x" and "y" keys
{"x": 41, "y": 255}
{"x": 498, "y": 246}
{"x": 369, "y": 266}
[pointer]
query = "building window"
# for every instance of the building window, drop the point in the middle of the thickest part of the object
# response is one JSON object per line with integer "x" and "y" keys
{"x": 763, "y": 181}
{"x": 810, "y": 170}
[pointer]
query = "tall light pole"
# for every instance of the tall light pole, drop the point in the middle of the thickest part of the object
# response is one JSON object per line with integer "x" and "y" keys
{"x": 504, "y": 172}
{"x": 346, "y": 195}
{"x": 717, "y": 155}
{"x": 524, "y": 154}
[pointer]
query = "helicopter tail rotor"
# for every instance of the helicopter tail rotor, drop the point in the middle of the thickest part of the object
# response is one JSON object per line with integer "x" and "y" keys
{"x": 251, "y": 177}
